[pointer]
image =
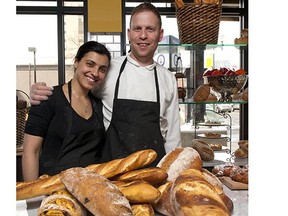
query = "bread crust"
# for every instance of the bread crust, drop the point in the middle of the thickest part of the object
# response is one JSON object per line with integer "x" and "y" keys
{"x": 95, "y": 192}
{"x": 178, "y": 160}
{"x": 152, "y": 175}
{"x": 192, "y": 194}
{"x": 138, "y": 191}
{"x": 142, "y": 210}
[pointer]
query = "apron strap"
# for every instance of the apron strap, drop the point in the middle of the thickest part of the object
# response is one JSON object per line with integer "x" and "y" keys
{"x": 69, "y": 91}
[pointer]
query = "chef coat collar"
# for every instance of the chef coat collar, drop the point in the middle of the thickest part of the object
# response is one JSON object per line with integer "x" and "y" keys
{"x": 148, "y": 67}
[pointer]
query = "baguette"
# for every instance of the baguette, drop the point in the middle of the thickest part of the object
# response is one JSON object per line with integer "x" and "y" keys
{"x": 47, "y": 184}
{"x": 95, "y": 192}
{"x": 138, "y": 191}
{"x": 152, "y": 175}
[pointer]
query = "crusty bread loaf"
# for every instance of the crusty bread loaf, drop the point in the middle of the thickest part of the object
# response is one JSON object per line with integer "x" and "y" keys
{"x": 61, "y": 202}
{"x": 95, "y": 192}
{"x": 203, "y": 148}
{"x": 241, "y": 153}
{"x": 178, "y": 160}
{"x": 202, "y": 93}
{"x": 211, "y": 98}
{"x": 152, "y": 175}
{"x": 192, "y": 194}
{"x": 163, "y": 204}
{"x": 142, "y": 210}
{"x": 240, "y": 175}
{"x": 138, "y": 191}
{"x": 47, "y": 184}
{"x": 243, "y": 144}
{"x": 213, "y": 179}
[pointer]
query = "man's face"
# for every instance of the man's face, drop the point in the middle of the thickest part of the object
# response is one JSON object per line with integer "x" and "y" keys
{"x": 144, "y": 35}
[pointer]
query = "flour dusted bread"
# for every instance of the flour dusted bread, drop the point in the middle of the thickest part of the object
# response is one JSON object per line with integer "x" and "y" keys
{"x": 192, "y": 194}
{"x": 95, "y": 192}
{"x": 61, "y": 203}
{"x": 178, "y": 160}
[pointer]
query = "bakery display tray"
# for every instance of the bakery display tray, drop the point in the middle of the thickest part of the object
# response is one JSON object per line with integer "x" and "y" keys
{"x": 233, "y": 185}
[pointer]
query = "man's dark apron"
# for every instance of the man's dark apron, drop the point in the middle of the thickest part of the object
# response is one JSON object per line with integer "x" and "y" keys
{"x": 79, "y": 149}
{"x": 135, "y": 125}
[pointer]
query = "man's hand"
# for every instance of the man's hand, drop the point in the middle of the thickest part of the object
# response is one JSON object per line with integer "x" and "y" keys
{"x": 38, "y": 92}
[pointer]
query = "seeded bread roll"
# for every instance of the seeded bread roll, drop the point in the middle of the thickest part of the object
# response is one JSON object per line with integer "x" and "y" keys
{"x": 178, "y": 160}
{"x": 95, "y": 192}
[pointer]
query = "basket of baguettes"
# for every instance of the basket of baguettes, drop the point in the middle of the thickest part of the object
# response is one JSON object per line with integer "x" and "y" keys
{"x": 198, "y": 22}
{"x": 178, "y": 185}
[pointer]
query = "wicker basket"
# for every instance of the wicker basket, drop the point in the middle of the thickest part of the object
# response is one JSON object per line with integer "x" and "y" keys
{"x": 199, "y": 23}
{"x": 21, "y": 111}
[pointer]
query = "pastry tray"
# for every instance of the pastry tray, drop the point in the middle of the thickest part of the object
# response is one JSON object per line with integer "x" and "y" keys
{"x": 233, "y": 185}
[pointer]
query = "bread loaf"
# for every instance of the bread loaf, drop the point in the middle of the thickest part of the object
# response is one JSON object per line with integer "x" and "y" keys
{"x": 95, "y": 192}
{"x": 192, "y": 194}
{"x": 243, "y": 144}
{"x": 152, "y": 175}
{"x": 163, "y": 204}
{"x": 212, "y": 179}
{"x": 178, "y": 160}
{"x": 202, "y": 93}
{"x": 241, "y": 153}
{"x": 138, "y": 191}
{"x": 61, "y": 202}
{"x": 240, "y": 175}
{"x": 142, "y": 210}
{"x": 203, "y": 148}
{"x": 47, "y": 184}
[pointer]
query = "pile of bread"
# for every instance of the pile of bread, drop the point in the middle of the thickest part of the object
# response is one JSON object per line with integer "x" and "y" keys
{"x": 177, "y": 186}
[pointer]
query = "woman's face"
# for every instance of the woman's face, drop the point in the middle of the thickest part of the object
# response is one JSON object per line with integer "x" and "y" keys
{"x": 144, "y": 35}
{"x": 91, "y": 70}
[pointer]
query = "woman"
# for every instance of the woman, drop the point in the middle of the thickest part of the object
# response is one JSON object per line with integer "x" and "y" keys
{"x": 67, "y": 130}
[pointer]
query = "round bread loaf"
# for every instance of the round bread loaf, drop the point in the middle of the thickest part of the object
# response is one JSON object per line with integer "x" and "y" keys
{"x": 192, "y": 194}
{"x": 142, "y": 210}
{"x": 178, "y": 160}
{"x": 241, "y": 153}
{"x": 205, "y": 151}
{"x": 202, "y": 93}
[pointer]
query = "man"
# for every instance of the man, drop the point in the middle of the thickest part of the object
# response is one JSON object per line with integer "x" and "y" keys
{"x": 140, "y": 97}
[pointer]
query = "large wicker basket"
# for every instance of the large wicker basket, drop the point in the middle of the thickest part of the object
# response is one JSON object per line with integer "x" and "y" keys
{"x": 21, "y": 111}
{"x": 199, "y": 23}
